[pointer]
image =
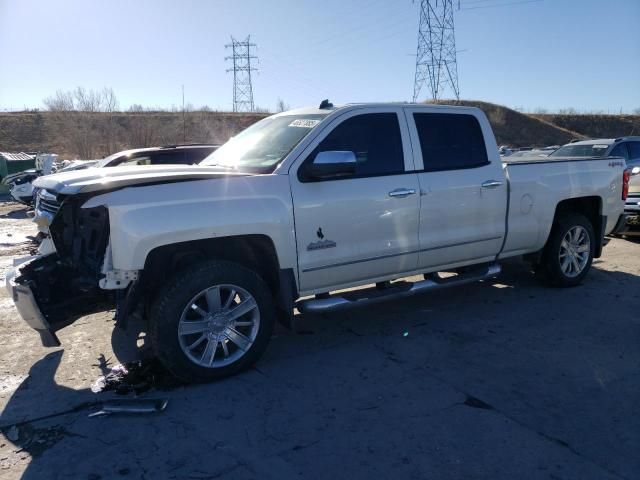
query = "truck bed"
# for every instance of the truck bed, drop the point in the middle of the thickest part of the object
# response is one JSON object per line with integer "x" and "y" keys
{"x": 533, "y": 159}
{"x": 537, "y": 186}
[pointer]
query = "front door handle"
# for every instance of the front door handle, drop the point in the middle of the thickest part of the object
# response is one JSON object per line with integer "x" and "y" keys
{"x": 402, "y": 192}
{"x": 492, "y": 184}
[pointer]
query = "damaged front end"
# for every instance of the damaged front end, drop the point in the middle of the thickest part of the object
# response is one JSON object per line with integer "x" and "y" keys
{"x": 56, "y": 288}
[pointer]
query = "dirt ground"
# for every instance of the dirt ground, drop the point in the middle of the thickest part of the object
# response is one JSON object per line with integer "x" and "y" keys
{"x": 505, "y": 379}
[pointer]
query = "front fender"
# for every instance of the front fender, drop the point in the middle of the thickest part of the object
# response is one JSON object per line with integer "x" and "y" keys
{"x": 144, "y": 218}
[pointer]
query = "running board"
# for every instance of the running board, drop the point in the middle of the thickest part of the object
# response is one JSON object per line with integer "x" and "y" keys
{"x": 395, "y": 290}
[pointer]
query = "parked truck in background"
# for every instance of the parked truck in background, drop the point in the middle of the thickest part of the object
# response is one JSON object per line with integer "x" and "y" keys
{"x": 294, "y": 210}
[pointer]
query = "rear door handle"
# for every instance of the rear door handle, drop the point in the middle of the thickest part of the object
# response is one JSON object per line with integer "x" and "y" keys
{"x": 492, "y": 184}
{"x": 402, "y": 192}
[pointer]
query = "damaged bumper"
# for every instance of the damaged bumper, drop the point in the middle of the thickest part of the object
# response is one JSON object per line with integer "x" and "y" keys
{"x": 49, "y": 295}
{"x": 25, "y": 302}
{"x": 63, "y": 283}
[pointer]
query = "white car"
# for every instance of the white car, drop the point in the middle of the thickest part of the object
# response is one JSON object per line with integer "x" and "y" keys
{"x": 293, "y": 210}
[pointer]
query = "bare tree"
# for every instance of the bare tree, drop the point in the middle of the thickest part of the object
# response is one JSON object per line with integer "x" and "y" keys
{"x": 87, "y": 123}
{"x": 60, "y": 102}
{"x": 141, "y": 132}
{"x": 78, "y": 127}
{"x": 281, "y": 106}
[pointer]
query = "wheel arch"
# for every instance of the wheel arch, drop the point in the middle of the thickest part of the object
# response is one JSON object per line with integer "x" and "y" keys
{"x": 256, "y": 252}
{"x": 591, "y": 208}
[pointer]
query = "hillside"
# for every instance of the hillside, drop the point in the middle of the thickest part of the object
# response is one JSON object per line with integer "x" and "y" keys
{"x": 94, "y": 135}
{"x": 595, "y": 126}
{"x": 519, "y": 129}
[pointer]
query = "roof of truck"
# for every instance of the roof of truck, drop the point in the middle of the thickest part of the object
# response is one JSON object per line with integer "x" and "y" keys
{"x": 333, "y": 108}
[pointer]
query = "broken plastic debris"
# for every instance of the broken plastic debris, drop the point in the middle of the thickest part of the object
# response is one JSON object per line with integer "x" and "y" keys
{"x": 113, "y": 378}
{"x": 132, "y": 405}
{"x": 137, "y": 377}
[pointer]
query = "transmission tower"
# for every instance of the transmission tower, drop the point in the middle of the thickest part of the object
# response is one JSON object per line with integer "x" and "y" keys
{"x": 242, "y": 67}
{"x": 436, "y": 56}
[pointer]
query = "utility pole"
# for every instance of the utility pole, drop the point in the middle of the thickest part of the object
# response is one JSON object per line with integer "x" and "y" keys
{"x": 242, "y": 67}
{"x": 436, "y": 56}
{"x": 184, "y": 120}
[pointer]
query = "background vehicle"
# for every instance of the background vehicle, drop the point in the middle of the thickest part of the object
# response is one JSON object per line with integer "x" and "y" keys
{"x": 167, "y": 155}
{"x": 625, "y": 147}
{"x": 632, "y": 205}
{"x": 23, "y": 191}
{"x": 20, "y": 183}
{"x": 293, "y": 210}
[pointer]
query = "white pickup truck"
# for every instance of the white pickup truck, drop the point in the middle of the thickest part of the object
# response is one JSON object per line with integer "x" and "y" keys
{"x": 293, "y": 211}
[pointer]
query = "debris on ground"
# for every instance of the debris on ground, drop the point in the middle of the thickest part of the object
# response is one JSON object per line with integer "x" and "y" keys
{"x": 135, "y": 377}
{"x": 132, "y": 405}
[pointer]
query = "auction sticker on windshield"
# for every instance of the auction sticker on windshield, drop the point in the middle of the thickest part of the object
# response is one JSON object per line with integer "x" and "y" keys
{"x": 304, "y": 123}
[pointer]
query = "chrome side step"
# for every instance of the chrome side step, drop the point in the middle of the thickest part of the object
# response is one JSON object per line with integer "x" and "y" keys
{"x": 395, "y": 290}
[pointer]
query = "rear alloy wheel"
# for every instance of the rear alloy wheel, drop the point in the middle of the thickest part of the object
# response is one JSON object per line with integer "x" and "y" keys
{"x": 211, "y": 321}
{"x": 569, "y": 251}
{"x": 574, "y": 251}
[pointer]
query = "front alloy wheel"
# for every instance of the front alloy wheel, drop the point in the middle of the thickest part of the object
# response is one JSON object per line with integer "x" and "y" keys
{"x": 219, "y": 325}
{"x": 211, "y": 320}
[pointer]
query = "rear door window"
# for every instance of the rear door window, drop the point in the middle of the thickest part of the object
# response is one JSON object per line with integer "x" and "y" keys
{"x": 450, "y": 141}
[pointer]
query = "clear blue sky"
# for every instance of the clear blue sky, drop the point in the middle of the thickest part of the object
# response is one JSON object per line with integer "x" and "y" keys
{"x": 550, "y": 54}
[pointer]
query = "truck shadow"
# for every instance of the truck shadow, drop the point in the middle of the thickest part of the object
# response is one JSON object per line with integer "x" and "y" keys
{"x": 515, "y": 290}
{"x": 516, "y": 276}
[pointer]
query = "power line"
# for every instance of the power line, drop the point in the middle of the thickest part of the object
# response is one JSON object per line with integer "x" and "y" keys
{"x": 508, "y": 4}
{"x": 436, "y": 56}
{"x": 242, "y": 87}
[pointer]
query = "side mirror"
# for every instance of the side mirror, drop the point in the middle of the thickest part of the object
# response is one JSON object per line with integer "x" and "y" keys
{"x": 336, "y": 163}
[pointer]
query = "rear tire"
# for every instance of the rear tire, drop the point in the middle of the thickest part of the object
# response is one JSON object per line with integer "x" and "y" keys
{"x": 196, "y": 309}
{"x": 569, "y": 252}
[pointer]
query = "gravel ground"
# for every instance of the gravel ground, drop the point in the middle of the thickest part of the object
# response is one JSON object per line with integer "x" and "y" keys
{"x": 504, "y": 379}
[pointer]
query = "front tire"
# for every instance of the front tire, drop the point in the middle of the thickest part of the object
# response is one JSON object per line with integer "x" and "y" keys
{"x": 569, "y": 252}
{"x": 211, "y": 321}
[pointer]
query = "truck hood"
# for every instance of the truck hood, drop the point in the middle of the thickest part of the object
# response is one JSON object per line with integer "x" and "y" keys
{"x": 98, "y": 179}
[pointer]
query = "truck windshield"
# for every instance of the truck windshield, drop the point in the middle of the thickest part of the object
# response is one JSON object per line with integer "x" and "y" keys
{"x": 597, "y": 150}
{"x": 260, "y": 148}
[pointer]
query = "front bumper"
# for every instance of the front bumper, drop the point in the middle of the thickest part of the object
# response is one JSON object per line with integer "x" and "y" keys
{"x": 27, "y": 306}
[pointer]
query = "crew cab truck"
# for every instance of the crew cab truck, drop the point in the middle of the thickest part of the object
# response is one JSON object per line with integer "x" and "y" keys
{"x": 297, "y": 208}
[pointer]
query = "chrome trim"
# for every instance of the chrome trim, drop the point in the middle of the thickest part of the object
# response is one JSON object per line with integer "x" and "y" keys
{"x": 382, "y": 257}
{"x": 461, "y": 243}
{"x": 46, "y": 208}
{"x": 353, "y": 262}
{"x": 492, "y": 184}
{"x": 402, "y": 192}
{"x": 339, "y": 301}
